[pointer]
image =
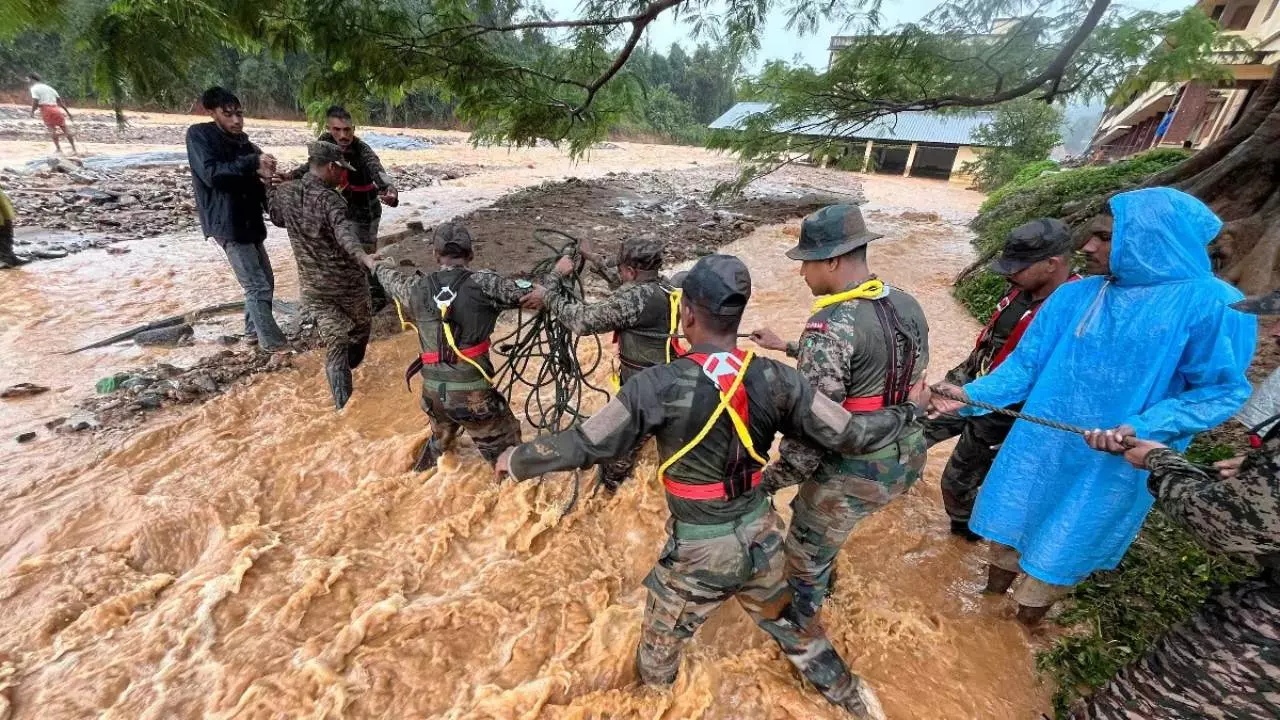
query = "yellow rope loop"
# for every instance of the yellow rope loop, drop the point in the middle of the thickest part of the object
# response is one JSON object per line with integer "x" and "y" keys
{"x": 404, "y": 324}
{"x": 743, "y": 434}
{"x": 869, "y": 290}
{"x": 448, "y": 337}
{"x": 673, "y": 299}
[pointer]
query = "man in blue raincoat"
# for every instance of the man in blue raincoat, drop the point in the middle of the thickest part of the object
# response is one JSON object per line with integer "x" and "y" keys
{"x": 1148, "y": 347}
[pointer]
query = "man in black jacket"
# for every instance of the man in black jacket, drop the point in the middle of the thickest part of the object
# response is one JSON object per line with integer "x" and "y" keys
{"x": 227, "y": 171}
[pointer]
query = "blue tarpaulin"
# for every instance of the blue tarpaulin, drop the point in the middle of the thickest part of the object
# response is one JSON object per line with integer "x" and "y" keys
{"x": 1153, "y": 346}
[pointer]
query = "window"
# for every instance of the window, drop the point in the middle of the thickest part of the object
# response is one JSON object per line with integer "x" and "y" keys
{"x": 1240, "y": 17}
{"x": 1217, "y": 12}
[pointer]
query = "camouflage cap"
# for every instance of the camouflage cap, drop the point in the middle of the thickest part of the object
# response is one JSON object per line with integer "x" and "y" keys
{"x": 451, "y": 239}
{"x": 719, "y": 284}
{"x": 641, "y": 254}
{"x": 321, "y": 151}
{"x": 831, "y": 232}
{"x": 1030, "y": 243}
{"x": 1268, "y": 304}
{"x": 677, "y": 280}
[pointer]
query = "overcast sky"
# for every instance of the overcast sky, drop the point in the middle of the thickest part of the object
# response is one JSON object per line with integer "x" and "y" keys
{"x": 780, "y": 43}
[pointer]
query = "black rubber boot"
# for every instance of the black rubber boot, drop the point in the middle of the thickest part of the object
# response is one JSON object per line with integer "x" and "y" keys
{"x": 960, "y": 528}
{"x": 427, "y": 456}
{"x": 8, "y": 260}
{"x": 610, "y": 484}
{"x": 999, "y": 580}
{"x": 339, "y": 384}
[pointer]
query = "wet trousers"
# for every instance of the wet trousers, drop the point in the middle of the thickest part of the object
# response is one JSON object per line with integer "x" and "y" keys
{"x": 695, "y": 575}
{"x": 1032, "y": 592}
{"x": 252, "y": 267}
{"x": 481, "y": 411}
{"x": 6, "y": 244}
{"x": 367, "y": 234}
{"x": 832, "y": 503}
{"x": 971, "y": 459}
{"x": 344, "y": 324}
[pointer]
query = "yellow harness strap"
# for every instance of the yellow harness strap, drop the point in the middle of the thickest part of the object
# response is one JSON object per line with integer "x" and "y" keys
{"x": 869, "y": 290}
{"x": 448, "y": 337}
{"x": 741, "y": 427}
{"x": 404, "y": 324}
{"x": 673, "y": 299}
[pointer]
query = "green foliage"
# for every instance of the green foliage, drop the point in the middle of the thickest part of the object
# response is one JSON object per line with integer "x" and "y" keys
{"x": 1022, "y": 132}
{"x": 1163, "y": 579}
{"x": 1032, "y": 195}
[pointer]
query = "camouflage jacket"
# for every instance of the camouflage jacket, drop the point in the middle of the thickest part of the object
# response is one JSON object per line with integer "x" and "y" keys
{"x": 482, "y": 295}
{"x": 361, "y": 206}
{"x": 664, "y": 401}
{"x": 642, "y": 307}
{"x": 324, "y": 240}
{"x": 843, "y": 354}
{"x": 1239, "y": 515}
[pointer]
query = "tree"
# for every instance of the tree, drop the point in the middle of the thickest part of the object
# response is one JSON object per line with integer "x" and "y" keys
{"x": 1022, "y": 132}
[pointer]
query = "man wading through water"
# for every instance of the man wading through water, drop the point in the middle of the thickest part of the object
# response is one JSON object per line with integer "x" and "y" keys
{"x": 330, "y": 263}
{"x": 364, "y": 184}
{"x": 864, "y": 347}
{"x": 1036, "y": 260}
{"x": 454, "y": 310}
{"x": 227, "y": 173}
{"x": 715, "y": 412}
{"x": 54, "y": 112}
{"x": 642, "y": 312}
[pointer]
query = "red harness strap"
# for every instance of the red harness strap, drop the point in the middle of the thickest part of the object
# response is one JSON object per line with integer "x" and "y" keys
{"x": 724, "y": 373}
{"x": 869, "y": 403}
{"x": 473, "y": 352}
{"x": 1018, "y": 330}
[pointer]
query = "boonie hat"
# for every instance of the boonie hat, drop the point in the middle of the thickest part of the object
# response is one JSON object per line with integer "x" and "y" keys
{"x": 831, "y": 232}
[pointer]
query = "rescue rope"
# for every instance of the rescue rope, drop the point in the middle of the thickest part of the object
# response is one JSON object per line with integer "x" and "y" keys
{"x": 1074, "y": 429}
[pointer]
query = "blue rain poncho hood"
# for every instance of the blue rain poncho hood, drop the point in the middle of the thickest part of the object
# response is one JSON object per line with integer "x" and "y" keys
{"x": 1153, "y": 346}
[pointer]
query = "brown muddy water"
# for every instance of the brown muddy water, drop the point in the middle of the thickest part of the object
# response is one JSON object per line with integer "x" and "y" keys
{"x": 260, "y": 556}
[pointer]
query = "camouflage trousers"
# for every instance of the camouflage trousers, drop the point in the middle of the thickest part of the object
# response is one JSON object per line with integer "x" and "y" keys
{"x": 367, "y": 234}
{"x": 343, "y": 324}
{"x": 1223, "y": 662}
{"x": 482, "y": 412}
{"x": 699, "y": 570}
{"x": 971, "y": 459}
{"x": 827, "y": 508}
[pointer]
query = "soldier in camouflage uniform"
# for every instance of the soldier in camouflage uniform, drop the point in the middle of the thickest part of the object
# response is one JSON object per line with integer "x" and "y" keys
{"x": 365, "y": 186}
{"x": 1037, "y": 260}
{"x": 457, "y": 388}
{"x": 329, "y": 255}
{"x": 724, "y": 538}
{"x": 638, "y": 312}
{"x": 864, "y": 347}
{"x": 1224, "y": 662}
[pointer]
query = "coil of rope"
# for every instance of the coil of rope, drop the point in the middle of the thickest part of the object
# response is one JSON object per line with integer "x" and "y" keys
{"x": 541, "y": 354}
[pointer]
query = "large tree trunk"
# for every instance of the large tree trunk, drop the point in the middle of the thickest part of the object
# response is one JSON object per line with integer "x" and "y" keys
{"x": 1238, "y": 175}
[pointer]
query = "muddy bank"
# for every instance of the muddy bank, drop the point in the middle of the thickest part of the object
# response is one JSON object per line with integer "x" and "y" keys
{"x": 88, "y": 207}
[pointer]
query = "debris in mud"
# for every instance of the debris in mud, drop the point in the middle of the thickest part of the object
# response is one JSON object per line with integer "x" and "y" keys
{"x": 24, "y": 389}
{"x": 166, "y": 336}
{"x": 106, "y": 205}
{"x": 26, "y": 437}
{"x": 82, "y": 420}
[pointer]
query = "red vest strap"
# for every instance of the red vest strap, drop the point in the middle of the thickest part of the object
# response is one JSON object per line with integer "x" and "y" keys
{"x": 709, "y": 491}
{"x": 868, "y": 403}
{"x": 473, "y": 352}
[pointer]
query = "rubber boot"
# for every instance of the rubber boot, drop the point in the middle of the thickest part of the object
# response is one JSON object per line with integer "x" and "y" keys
{"x": 999, "y": 580}
{"x": 610, "y": 484}
{"x": 427, "y": 456}
{"x": 339, "y": 383}
{"x": 9, "y": 260}
{"x": 960, "y": 528}
{"x": 1031, "y": 616}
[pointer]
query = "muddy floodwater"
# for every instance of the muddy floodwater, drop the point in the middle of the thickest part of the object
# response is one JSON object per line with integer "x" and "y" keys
{"x": 261, "y": 556}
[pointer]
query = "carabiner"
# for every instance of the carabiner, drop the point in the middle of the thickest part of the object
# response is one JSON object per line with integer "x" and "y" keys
{"x": 444, "y": 301}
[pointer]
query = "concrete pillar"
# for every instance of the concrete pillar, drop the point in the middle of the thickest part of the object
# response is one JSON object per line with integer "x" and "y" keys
{"x": 866, "y": 158}
{"x": 911, "y": 157}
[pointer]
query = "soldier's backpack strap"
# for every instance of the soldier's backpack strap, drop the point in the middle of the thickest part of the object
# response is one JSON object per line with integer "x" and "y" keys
{"x": 727, "y": 371}
{"x": 674, "y": 347}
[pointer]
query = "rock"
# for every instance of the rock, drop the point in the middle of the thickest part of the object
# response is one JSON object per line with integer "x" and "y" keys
{"x": 26, "y": 437}
{"x": 56, "y": 423}
{"x": 707, "y": 225}
{"x": 746, "y": 227}
{"x": 94, "y": 195}
{"x": 23, "y": 390}
{"x": 204, "y": 383}
{"x": 166, "y": 337}
{"x": 51, "y": 252}
{"x": 228, "y": 340}
{"x": 117, "y": 250}
{"x": 137, "y": 382}
{"x": 150, "y": 400}
{"x": 83, "y": 420}
{"x": 127, "y": 200}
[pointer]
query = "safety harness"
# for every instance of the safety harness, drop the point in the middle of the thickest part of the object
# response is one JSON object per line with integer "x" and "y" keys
{"x": 447, "y": 351}
{"x": 674, "y": 348}
{"x": 1255, "y": 432}
{"x": 1019, "y": 330}
{"x": 727, "y": 371}
{"x": 902, "y": 347}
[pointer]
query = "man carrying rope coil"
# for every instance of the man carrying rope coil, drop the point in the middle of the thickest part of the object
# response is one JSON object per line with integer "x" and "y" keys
{"x": 864, "y": 347}
{"x": 454, "y": 310}
{"x": 714, "y": 412}
{"x": 642, "y": 312}
{"x": 1147, "y": 348}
